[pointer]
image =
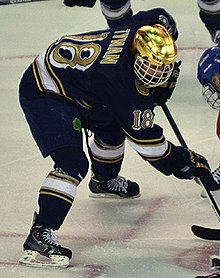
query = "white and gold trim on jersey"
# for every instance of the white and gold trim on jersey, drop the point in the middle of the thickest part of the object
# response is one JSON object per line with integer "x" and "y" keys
{"x": 150, "y": 149}
{"x": 45, "y": 78}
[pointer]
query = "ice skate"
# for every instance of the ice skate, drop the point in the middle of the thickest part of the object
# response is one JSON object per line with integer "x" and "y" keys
{"x": 42, "y": 241}
{"x": 118, "y": 187}
{"x": 215, "y": 263}
{"x": 216, "y": 177}
{"x": 214, "y": 266}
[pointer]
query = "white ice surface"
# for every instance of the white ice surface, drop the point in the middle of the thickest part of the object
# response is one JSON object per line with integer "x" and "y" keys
{"x": 146, "y": 237}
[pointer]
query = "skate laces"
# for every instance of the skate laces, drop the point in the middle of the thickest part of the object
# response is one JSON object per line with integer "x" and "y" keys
{"x": 119, "y": 184}
{"x": 49, "y": 237}
{"x": 216, "y": 175}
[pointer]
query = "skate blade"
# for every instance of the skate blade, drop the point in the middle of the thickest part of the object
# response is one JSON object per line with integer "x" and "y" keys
{"x": 110, "y": 196}
{"x": 203, "y": 194}
{"x": 29, "y": 258}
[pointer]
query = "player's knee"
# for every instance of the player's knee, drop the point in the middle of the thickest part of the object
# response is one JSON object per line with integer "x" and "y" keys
{"x": 106, "y": 153}
{"x": 72, "y": 161}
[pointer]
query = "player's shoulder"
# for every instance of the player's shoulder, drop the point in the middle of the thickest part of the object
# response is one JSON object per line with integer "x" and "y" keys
{"x": 156, "y": 16}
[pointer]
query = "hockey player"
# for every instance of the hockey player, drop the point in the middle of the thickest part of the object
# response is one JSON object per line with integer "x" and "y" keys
{"x": 209, "y": 77}
{"x": 209, "y": 12}
{"x": 108, "y": 82}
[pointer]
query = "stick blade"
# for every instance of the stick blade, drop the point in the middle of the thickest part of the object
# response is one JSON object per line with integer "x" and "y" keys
{"x": 206, "y": 233}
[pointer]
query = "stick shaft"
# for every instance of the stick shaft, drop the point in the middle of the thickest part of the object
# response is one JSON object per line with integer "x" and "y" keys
{"x": 183, "y": 144}
{"x": 6, "y": 2}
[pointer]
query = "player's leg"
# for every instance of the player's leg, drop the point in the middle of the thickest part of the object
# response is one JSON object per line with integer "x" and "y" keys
{"x": 50, "y": 119}
{"x": 58, "y": 190}
{"x": 107, "y": 153}
{"x": 55, "y": 199}
{"x": 216, "y": 172}
{"x": 116, "y": 12}
{"x": 106, "y": 158}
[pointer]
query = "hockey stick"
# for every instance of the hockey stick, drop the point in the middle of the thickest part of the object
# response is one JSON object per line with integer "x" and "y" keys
{"x": 195, "y": 229}
{"x": 206, "y": 233}
{"x": 6, "y": 2}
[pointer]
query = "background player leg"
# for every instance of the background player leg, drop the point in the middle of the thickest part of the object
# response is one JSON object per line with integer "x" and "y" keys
{"x": 106, "y": 154}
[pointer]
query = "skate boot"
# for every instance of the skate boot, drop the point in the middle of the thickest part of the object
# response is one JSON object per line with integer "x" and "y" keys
{"x": 215, "y": 263}
{"x": 216, "y": 186}
{"x": 118, "y": 187}
{"x": 42, "y": 241}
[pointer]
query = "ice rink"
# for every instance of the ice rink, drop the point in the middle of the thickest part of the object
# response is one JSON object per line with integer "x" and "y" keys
{"x": 149, "y": 237}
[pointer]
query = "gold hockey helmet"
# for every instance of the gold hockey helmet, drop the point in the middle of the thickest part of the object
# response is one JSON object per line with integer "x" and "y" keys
{"x": 155, "y": 52}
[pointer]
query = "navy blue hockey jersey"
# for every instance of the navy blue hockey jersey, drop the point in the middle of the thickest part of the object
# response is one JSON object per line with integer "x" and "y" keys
{"x": 96, "y": 68}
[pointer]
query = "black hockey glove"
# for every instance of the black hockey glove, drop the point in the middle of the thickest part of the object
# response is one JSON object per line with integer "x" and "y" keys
{"x": 197, "y": 166}
{"x": 164, "y": 92}
{"x": 80, "y": 3}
